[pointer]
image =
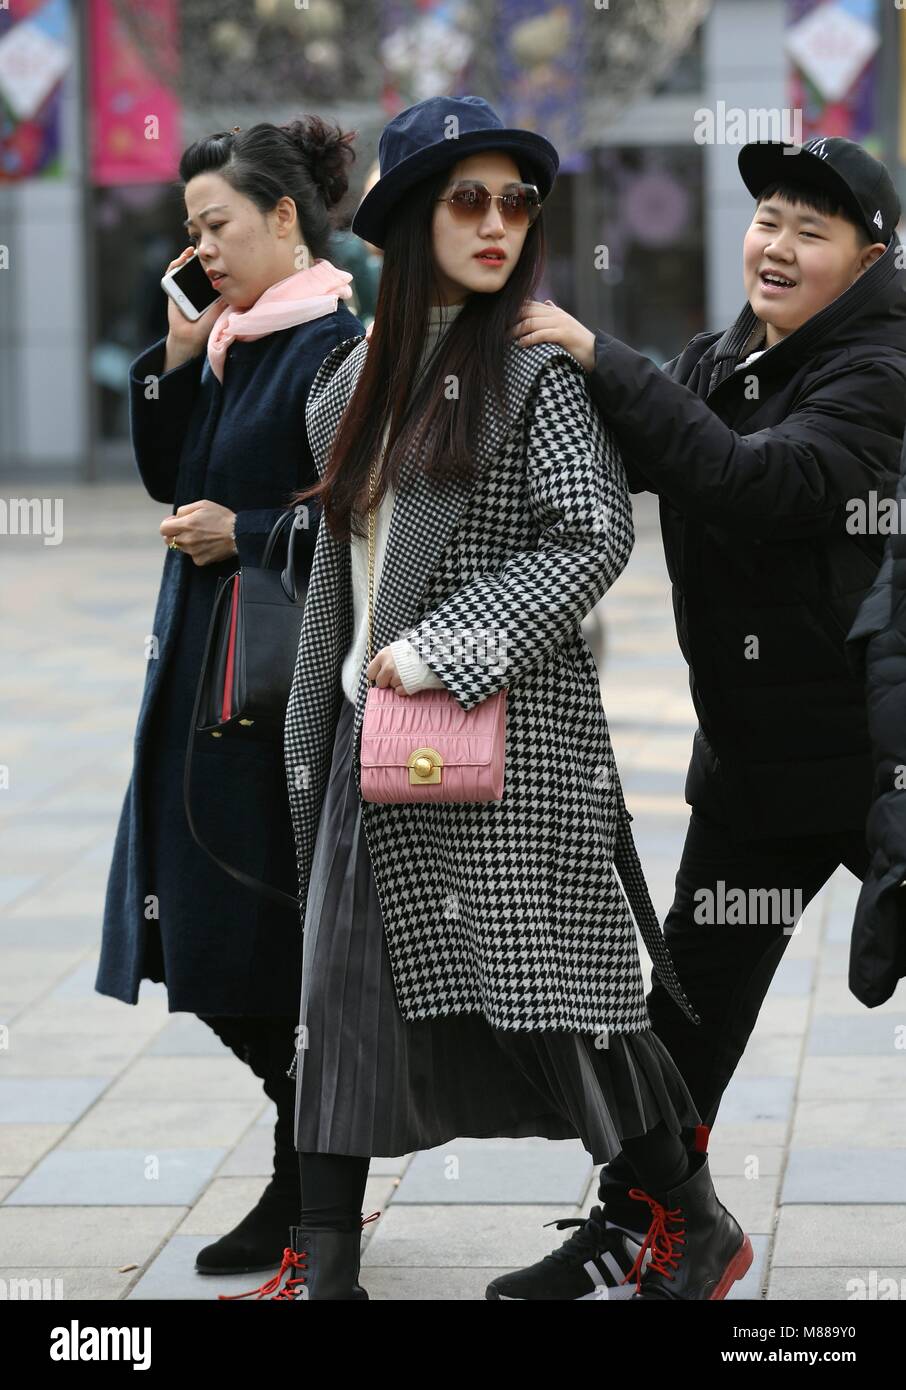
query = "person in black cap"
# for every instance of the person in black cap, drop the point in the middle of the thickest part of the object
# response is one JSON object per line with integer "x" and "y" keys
{"x": 471, "y": 968}
{"x": 757, "y": 441}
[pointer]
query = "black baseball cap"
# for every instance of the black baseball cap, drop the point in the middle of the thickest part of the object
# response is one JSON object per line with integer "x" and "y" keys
{"x": 839, "y": 167}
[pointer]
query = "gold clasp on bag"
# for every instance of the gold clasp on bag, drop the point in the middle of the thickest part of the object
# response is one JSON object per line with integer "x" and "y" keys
{"x": 424, "y": 766}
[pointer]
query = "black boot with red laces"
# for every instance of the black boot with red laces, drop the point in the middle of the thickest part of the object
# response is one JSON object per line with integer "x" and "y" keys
{"x": 698, "y": 1250}
{"x": 317, "y": 1264}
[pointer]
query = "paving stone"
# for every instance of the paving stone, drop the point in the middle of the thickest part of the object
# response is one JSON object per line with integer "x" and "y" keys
{"x": 838, "y": 1123}
{"x": 833, "y": 996}
{"x": 223, "y": 1204}
{"x": 96, "y": 1237}
{"x": 34, "y": 969}
{"x": 21, "y": 1145}
{"x": 534, "y": 1171}
{"x": 33, "y": 1052}
{"x": 171, "y": 1276}
{"x": 770, "y": 1054}
{"x": 394, "y": 1166}
{"x": 79, "y": 983}
{"x": 48, "y": 1100}
{"x": 834, "y": 959}
{"x": 751, "y": 1200}
{"x": 872, "y": 1078}
{"x": 57, "y": 902}
{"x": 841, "y": 1035}
{"x": 253, "y": 1156}
{"x": 755, "y": 1136}
{"x": 47, "y": 933}
{"x": 733, "y": 1160}
{"x": 805, "y": 944}
{"x": 173, "y": 1124}
{"x": 845, "y": 1175}
{"x": 840, "y": 1234}
{"x": 13, "y": 886}
{"x": 117, "y": 1177}
{"x": 77, "y": 1018}
{"x": 186, "y": 1036}
{"x": 389, "y": 1283}
{"x": 757, "y": 1098}
{"x": 841, "y": 906}
{"x": 481, "y": 1236}
{"x": 787, "y": 1014}
{"x": 793, "y": 977}
{"x": 189, "y": 1078}
{"x": 25, "y": 831}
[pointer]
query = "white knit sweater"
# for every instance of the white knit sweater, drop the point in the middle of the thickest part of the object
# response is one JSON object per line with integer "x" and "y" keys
{"x": 414, "y": 673}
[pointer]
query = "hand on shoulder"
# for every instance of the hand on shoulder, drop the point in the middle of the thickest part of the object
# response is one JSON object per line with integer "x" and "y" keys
{"x": 546, "y": 323}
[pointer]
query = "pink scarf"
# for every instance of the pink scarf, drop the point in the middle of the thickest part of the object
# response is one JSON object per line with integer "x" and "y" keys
{"x": 308, "y": 294}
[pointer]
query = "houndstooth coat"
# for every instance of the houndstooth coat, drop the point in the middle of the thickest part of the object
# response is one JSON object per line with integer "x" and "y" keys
{"x": 513, "y": 908}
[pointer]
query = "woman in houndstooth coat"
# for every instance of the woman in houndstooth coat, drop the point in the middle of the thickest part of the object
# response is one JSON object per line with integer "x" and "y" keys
{"x": 469, "y": 969}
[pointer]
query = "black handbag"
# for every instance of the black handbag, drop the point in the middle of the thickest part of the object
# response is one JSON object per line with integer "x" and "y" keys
{"x": 249, "y": 659}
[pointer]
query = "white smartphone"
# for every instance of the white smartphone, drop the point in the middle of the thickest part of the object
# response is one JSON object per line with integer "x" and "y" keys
{"x": 190, "y": 289}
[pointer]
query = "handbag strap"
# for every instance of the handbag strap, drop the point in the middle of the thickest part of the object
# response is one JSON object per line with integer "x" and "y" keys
{"x": 632, "y": 876}
{"x": 257, "y": 884}
{"x": 372, "y": 544}
{"x": 271, "y": 542}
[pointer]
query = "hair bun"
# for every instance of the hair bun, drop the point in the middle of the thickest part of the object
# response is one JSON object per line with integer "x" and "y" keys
{"x": 327, "y": 152}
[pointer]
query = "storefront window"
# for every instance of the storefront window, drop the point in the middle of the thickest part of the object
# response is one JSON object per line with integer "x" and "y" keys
{"x": 138, "y": 234}
{"x": 647, "y": 215}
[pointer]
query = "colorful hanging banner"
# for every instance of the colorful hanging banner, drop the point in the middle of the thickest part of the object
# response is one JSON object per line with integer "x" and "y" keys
{"x": 425, "y": 50}
{"x": 541, "y": 72}
{"x": 832, "y": 48}
{"x": 135, "y": 114}
{"x": 35, "y": 53}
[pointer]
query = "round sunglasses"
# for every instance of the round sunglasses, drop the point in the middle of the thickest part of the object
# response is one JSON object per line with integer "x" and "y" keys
{"x": 519, "y": 205}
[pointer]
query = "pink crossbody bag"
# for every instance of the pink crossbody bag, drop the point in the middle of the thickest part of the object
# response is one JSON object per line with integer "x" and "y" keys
{"x": 426, "y": 747}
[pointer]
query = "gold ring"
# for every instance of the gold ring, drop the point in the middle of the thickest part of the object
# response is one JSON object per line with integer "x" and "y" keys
{"x": 173, "y": 545}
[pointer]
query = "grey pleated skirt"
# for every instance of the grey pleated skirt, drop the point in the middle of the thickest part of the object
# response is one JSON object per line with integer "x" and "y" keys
{"x": 370, "y": 1082}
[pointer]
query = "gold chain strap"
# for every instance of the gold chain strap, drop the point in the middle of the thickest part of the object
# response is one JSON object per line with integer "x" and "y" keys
{"x": 371, "y": 549}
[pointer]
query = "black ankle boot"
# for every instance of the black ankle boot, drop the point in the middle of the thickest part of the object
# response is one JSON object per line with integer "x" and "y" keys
{"x": 698, "y": 1250}
{"x": 323, "y": 1265}
{"x": 259, "y": 1239}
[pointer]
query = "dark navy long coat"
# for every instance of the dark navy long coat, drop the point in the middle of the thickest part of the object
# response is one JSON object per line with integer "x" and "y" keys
{"x": 171, "y": 913}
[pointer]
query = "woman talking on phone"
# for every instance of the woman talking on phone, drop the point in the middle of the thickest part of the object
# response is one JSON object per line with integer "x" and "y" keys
{"x": 217, "y": 412}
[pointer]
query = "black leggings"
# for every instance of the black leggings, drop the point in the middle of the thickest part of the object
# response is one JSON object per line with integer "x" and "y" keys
{"x": 333, "y": 1185}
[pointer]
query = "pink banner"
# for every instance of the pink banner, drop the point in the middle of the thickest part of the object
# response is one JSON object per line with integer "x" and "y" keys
{"x": 135, "y": 115}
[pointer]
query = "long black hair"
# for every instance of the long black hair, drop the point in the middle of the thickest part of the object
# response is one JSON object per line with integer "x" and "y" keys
{"x": 306, "y": 160}
{"x": 471, "y": 352}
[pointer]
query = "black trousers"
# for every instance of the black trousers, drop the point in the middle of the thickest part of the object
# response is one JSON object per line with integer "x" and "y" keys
{"x": 726, "y": 965}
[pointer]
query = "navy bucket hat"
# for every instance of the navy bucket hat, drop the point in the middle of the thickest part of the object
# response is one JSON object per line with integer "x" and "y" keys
{"x": 418, "y": 142}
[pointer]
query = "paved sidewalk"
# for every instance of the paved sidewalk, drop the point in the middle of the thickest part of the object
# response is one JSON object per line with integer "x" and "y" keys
{"x": 129, "y": 1137}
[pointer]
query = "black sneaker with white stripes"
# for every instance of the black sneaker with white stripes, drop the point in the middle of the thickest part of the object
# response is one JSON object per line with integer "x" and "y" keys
{"x": 592, "y": 1263}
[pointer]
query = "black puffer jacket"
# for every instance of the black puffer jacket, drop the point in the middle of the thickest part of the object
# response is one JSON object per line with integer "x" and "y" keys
{"x": 877, "y": 645}
{"x": 754, "y": 468}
